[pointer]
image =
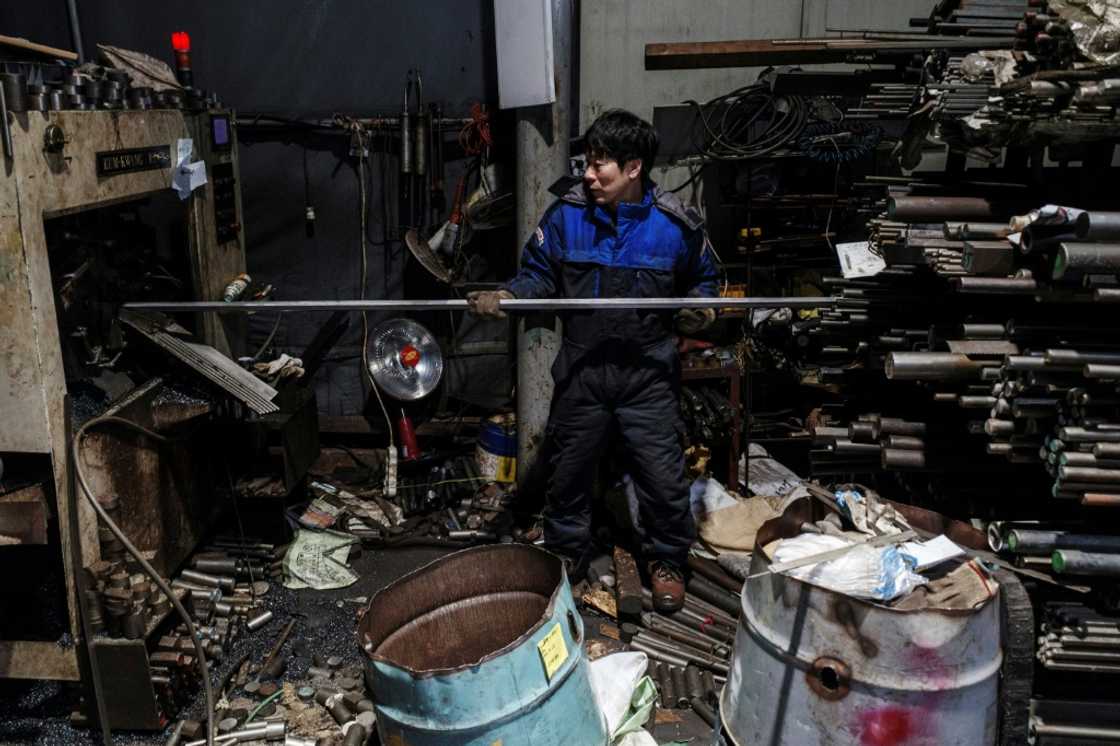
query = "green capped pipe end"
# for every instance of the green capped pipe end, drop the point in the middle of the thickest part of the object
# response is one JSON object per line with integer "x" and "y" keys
{"x": 1057, "y": 561}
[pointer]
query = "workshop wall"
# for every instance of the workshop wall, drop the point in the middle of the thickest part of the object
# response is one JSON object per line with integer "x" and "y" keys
{"x": 306, "y": 58}
{"x": 613, "y": 38}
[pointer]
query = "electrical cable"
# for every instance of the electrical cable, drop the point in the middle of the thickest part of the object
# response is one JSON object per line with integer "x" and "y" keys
{"x": 391, "y": 460}
{"x": 268, "y": 340}
{"x": 731, "y": 122}
{"x": 203, "y": 668}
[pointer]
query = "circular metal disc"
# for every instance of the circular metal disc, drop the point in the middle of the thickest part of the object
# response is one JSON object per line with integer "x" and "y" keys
{"x": 404, "y": 359}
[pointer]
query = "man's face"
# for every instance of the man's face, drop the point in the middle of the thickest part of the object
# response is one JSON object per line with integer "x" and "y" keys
{"x": 608, "y": 182}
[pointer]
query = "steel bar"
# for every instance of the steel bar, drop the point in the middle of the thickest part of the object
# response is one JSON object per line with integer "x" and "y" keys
{"x": 676, "y": 647}
{"x": 1086, "y": 258}
{"x": 694, "y": 639}
{"x": 1073, "y": 562}
{"x": 515, "y": 305}
{"x": 1103, "y": 372}
{"x": 661, "y": 676}
{"x": 680, "y": 687}
{"x": 1098, "y": 226}
{"x": 910, "y": 366}
{"x": 1028, "y": 541}
{"x": 912, "y": 208}
{"x": 715, "y": 596}
{"x": 716, "y": 574}
{"x": 1080, "y": 732}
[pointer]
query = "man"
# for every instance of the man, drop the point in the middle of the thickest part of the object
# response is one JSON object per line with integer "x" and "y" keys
{"x": 618, "y": 235}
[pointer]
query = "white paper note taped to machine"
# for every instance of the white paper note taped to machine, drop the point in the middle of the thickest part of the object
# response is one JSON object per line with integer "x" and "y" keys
{"x": 186, "y": 177}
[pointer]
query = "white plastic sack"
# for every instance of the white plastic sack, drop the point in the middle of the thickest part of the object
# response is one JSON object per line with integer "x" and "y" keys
{"x": 877, "y": 573}
{"x": 613, "y": 681}
{"x": 706, "y": 496}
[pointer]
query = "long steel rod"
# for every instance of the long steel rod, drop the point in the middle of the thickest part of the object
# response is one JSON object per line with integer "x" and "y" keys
{"x": 515, "y": 305}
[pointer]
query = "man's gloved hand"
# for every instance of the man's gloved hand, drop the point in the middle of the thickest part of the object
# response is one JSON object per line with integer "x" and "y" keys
{"x": 694, "y": 320}
{"x": 485, "y": 303}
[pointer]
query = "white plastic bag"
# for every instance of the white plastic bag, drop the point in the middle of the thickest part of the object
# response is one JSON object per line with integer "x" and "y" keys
{"x": 613, "y": 681}
{"x": 878, "y": 573}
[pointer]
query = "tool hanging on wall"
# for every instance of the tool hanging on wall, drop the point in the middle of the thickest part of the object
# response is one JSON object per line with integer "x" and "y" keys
{"x": 415, "y": 134}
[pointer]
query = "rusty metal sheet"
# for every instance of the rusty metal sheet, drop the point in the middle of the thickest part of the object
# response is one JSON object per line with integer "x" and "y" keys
{"x": 23, "y": 516}
{"x": 164, "y": 489}
{"x": 24, "y": 659}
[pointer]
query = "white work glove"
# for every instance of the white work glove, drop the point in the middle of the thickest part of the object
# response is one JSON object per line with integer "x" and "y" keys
{"x": 694, "y": 320}
{"x": 485, "y": 303}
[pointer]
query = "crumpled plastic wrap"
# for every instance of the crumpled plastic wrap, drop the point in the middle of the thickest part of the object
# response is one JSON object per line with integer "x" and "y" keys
{"x": 1095, "y": 25}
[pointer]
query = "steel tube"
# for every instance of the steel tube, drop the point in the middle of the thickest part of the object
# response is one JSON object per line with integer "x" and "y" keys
{"x": 905, "y": 442}
{"x": 912, "y": 208}
{"x": 681, "y": 687}
{"x": 1086, "y": 258}
{"x": 937, "y": 366}
{"x": 1107, "y": 450}
{"x": 1085, "y": 435}
{"x": 717, "y": 597}
{"x": 1035, "y": 541}
{"x": 658, "y": 654}
{"x": 996, "y": 285}
{"x": 1089, "y": 474}
{"x": 1039, "y": 728}
{"x": 705, "y": 711}
{"x": 1104, "y": 372}
{"x": 514, "y": 305}
{"x": 1101, "y": 500}
{"x": 1098, "y": 226}
{"x": 897, "y": 458}
{"x": 674, "y": 646}
{"x": 1074, "y": 562}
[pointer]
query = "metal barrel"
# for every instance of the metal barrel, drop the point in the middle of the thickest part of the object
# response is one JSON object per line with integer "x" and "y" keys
{"x": 481, "y": 646}
{"x": 814, "y": 667}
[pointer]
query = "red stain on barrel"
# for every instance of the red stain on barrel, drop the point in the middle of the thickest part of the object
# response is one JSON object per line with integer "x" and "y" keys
{"x": 886, "y": 726}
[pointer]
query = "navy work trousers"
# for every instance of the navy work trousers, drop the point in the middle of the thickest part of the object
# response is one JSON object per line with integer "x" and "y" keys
{"x": 632, "y": 391}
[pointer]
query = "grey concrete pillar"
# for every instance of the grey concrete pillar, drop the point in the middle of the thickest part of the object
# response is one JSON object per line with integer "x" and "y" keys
{"x": 542, "y": 158}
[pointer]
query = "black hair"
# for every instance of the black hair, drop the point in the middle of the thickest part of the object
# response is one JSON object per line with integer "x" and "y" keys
{"x": 623, "y": 136}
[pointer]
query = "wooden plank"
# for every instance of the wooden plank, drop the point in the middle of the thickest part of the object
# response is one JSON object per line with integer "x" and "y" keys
{"x": 31, "y": 659}
{"x": 628, "y": 586}
{"x": 762, "y": 52}
{"x": 21, "y": 43}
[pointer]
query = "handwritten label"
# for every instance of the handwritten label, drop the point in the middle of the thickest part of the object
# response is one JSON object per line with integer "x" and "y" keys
{"x": 553, "y": 651}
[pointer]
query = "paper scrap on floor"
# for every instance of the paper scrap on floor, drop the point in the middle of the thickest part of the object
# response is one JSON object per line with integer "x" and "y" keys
{"x": 318, "y": 559}
{"x": 926, "y": 554}
{"x": 764, "y": 475}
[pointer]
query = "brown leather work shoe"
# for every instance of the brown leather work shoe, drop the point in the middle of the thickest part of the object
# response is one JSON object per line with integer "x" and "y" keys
{"x": 667, "y": 583}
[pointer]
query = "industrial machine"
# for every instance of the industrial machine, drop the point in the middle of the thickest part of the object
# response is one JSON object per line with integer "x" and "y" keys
{"x": 88, "y": 218}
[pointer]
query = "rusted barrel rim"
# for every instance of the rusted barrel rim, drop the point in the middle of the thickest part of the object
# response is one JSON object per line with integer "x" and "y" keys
{"x": 519, "y": 556}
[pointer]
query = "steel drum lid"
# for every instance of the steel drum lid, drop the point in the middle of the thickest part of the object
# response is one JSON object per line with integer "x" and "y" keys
{"x": 404, "y": 359}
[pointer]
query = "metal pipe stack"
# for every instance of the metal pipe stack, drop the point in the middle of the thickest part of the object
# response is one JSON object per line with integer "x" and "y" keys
{"x": 1077, "y": 639}
{"x": 690, "y": 650}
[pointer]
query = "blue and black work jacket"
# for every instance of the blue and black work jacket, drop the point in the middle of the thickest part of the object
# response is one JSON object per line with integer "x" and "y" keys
{"x": 654, "y": 249}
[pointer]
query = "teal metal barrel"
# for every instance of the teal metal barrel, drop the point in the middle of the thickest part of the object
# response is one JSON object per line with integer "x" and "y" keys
{"x": 482, "y": 647}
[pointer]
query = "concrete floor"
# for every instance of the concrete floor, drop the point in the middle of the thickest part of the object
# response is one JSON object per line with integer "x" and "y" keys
{"x": 38, "y": 712}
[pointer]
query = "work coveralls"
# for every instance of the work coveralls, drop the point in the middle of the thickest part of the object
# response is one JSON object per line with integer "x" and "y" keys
{"x": 617, "y": 367}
